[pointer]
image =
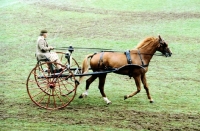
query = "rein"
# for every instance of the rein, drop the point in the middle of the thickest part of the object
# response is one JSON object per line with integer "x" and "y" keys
{"x": 82, "y": 48}
{"x": 156, "y": 54}
{"x": 103, "y": 50}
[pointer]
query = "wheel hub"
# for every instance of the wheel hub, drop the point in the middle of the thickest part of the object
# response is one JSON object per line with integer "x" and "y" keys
{"x": 51, "y": 85}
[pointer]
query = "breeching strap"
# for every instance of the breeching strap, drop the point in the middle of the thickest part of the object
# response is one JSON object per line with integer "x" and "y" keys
{"x": 101, "y": 59}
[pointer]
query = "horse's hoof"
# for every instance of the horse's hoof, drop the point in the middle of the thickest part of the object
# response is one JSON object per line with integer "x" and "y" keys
{"x": 81, "y": 96}
{"x": 109, "y": 103}
{"x": 151, "y": 101}
{"x": 125, "y": 97}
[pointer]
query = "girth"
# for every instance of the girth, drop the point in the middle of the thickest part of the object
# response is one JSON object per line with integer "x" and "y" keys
{"x": 128, "y": 56}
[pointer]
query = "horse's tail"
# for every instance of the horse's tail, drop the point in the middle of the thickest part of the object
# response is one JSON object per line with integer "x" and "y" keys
{"x": 85, "y": 65}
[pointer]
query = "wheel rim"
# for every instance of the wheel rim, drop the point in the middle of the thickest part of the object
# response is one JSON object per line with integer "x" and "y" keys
{"x": 51, "y": 90}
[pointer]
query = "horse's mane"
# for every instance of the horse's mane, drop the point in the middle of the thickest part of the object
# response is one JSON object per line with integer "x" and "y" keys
{"x": 149, "y": 41}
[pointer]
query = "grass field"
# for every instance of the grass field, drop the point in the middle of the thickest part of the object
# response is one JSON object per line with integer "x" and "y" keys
{"x": 174, "y": 82}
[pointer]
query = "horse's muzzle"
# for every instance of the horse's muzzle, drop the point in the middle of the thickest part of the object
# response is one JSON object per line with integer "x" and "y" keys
{"x": 168, "y": 54}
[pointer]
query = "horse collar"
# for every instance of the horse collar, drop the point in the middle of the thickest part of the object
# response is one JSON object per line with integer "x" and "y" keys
{"x": 143, "y": 65}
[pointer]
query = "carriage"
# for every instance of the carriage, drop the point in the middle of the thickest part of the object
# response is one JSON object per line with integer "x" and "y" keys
{"x": 52, "y": 89}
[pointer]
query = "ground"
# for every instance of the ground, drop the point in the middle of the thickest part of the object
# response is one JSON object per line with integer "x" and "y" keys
{"x": 171, "y": 110}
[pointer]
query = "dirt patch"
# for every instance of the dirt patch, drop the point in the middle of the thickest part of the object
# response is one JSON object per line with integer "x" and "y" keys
{"x": 114, "y": 26}
{"x": 143, "y": 15}
{"x": 137, "y": 120}
{"x": 122, "y": 118}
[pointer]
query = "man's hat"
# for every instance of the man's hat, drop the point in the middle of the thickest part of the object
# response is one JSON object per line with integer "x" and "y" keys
{"x": 43, "y": 31}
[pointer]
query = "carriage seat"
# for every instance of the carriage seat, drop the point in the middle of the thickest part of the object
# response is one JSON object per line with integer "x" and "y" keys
{"x": 41, "y": 57}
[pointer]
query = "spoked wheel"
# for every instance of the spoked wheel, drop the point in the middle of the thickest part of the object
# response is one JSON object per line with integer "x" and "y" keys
{"x": 72, "y": 64}
{"x": 50, "y": 88}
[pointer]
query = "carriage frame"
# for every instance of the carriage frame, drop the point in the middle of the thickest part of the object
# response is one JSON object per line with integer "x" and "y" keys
{"x": 52, "y": 89}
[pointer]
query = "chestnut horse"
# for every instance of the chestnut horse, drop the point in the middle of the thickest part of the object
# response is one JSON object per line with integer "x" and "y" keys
{"x": 133, "y": 63}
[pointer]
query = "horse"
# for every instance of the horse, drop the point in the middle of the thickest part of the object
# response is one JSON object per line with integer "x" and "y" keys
{"x": 133, "y": 63}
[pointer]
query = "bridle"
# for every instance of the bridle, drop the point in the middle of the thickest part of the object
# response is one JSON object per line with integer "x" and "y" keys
{"x": 165, "y": 50}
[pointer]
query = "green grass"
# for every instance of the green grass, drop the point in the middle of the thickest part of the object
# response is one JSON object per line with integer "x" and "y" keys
{"x": 136, "y": 5}
{"x": 119, "y": 25}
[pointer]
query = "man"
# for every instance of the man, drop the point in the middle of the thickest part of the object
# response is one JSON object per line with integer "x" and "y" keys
{"x": 43, "y": 50}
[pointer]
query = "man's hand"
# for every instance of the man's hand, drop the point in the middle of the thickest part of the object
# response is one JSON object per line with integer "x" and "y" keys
{"x": 51, "y": 48}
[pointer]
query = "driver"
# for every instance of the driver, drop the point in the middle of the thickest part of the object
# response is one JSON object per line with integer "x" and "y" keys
{"x": 43, "y": 50}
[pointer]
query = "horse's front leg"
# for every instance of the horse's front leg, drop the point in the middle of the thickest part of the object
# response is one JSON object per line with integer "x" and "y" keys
{"x": 88, "y": 82}
{"x": 144, "y": 81}
{"x": 138, "y": 84}
{"x": 102, "y": 79}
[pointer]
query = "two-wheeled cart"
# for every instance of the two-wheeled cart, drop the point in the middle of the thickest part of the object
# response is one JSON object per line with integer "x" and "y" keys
{"x": 50, "y": 88}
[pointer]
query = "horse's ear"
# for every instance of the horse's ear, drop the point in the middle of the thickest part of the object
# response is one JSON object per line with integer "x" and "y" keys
{"x": 160, "y": 41}
{"x": 159, "y": 37}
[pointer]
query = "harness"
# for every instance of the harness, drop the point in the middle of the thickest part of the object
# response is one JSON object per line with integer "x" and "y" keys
{"x": 128, "y": 56}
{"x": 101, "y": 60}
{"x": 142, "y": 60}
{"x": 129, "y": 61}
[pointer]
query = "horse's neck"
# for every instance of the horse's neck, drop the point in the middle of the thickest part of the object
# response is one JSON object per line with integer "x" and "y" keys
{"x": 146, "y": 54}
{"x": 148, "y": 47}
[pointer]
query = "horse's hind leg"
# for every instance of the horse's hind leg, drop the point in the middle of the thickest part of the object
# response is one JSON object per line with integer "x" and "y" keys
{"x": 88, "y": 82}
{"x": 138, "y": 84}
{"x": 102, "y": 79}
{"x": 144, "y": 81}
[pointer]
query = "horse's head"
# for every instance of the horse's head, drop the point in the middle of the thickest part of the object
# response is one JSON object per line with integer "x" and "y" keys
{"x": 163, "y": 47}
